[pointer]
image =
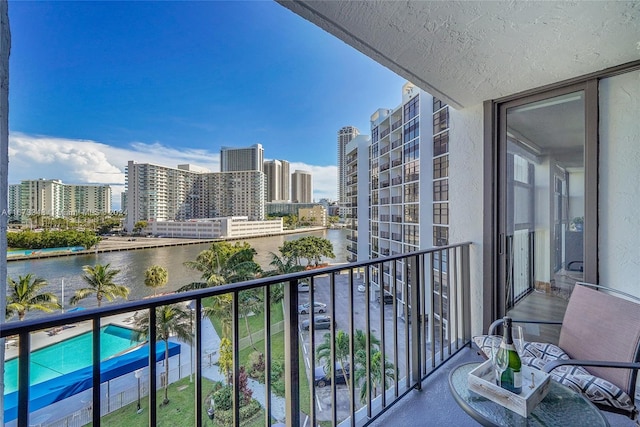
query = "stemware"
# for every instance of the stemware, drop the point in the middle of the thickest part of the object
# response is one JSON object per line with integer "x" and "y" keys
{"x": 499, "y": 361}
{"x": 518, "y": 338}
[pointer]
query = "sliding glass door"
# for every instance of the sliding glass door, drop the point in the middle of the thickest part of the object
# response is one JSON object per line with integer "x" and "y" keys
{"x": 542, "y": 204}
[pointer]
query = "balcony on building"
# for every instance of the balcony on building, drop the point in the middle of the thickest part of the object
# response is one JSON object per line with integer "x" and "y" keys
{"x": 426, "y": 330}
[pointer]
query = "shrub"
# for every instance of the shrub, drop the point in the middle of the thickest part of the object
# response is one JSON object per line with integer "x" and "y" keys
{"x": 256, "y": 361}
{"x": 223, "y": 398}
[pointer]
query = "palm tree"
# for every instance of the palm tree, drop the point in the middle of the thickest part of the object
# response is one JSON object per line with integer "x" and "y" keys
{"x": 282, "y": 265}
{"x": 341, "y": 348}
{"x": 172, "y": 319}
{"x": 156, "y": 277}
{"x": 100, "y": 281}
{"x": 375, "y": 374}
{"x": 221, "y": 308}
{"x": 25, "y": 295}
{"x": 250, "y": 303}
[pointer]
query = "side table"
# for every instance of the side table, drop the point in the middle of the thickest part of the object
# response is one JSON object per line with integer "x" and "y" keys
{"x": 561, "y": 406}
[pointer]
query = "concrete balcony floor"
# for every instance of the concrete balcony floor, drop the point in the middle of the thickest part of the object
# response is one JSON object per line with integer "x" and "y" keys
{"x": 434, "y": 405}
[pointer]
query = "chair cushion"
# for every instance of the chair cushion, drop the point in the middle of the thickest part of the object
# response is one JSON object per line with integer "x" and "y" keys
{"x": 596, "y": 389}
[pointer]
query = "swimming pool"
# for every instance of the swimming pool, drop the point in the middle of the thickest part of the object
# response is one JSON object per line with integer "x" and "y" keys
{"x": 69, "y": 355}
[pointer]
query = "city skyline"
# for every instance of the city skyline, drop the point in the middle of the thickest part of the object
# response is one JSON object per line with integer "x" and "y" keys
{"x": 95, "y": 85}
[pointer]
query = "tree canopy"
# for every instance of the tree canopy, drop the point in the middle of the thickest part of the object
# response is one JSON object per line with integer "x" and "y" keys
{"x": 311, "y": 248}
{"x": 28, "y": 239}
{"x": 25, "y": 294}
{"x": 100, "y": 281}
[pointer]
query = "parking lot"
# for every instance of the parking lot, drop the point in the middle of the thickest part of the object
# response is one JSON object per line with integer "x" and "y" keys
{"x": 340, "y": 312}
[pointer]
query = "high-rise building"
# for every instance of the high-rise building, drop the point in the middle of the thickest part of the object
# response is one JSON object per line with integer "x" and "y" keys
{"x": 160, "y": 193}
{"x": 357, "y": 205}
{"x": 409, "y": 170}
{"x": 51, "y": 197}
{"x": 345, "y": 134}
{"x": 278, "y": 180}
{"x": 242, "y": 159}
{"x": 301, "y": 187}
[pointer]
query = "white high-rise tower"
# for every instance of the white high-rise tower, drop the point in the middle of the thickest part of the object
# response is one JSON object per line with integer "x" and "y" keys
{"x": 345, "y": 135}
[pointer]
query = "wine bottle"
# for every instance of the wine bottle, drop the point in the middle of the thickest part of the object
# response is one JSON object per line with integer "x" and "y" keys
{"x": 511, "y": 378}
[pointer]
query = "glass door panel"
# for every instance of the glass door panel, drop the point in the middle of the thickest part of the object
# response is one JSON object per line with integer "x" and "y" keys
{"x": 544, "y": 204}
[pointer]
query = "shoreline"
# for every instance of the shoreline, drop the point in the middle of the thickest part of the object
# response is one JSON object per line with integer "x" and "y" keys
{"x": 117, "y": 244}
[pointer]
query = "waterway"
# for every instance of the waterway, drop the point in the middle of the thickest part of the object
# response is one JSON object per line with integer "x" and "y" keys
{"x": 67, "y": 271}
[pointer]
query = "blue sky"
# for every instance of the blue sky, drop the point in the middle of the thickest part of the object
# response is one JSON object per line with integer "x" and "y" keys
{"x": 93, "y": 85}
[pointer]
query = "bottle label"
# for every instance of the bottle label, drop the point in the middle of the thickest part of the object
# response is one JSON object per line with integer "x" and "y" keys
{"x": 517, "y": 379}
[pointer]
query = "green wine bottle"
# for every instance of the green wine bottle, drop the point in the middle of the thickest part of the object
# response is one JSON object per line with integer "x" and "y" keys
{"x": 511, "y": 378}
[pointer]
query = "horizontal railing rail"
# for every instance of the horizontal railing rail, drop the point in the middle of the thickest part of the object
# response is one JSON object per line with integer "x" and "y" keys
{"x": 412, "y": 326}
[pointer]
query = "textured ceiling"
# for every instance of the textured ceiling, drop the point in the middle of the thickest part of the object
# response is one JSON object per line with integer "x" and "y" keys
{"x": 471, "y": 51}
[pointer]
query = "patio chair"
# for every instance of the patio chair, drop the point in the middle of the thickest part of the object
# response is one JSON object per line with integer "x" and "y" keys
{"x": 600, "y": 332}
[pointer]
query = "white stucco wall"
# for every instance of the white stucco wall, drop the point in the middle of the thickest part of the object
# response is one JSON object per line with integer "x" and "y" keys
{"x": 619, "y": 173}
{"x": 466, "y": 195}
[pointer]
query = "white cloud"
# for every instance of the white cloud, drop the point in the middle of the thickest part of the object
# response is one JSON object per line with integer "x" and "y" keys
{"x": 91, "y": 162}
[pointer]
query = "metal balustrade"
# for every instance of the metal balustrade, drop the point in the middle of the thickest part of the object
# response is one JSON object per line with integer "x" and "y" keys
{"x": 424, "y": 322}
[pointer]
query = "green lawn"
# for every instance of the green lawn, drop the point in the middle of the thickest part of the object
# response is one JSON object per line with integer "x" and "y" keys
{"x": 180, "y": 410}
{"x": 256, "y": 323}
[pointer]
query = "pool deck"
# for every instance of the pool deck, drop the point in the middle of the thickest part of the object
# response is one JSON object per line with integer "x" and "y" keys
{"x": 79, "y": 405}
{"x": 46, "y": 338}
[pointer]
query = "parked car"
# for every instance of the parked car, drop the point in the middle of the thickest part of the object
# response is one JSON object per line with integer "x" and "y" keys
{"x": 319, "y": 322}
{"x": 303, "y": 286}
{"x": 322, "y": 378}
{"x": 388, "y": 298}
{"x": 318, "y": 307}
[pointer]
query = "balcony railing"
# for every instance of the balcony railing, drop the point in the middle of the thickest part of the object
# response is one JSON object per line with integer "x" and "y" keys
{"x": 426, "y": 323}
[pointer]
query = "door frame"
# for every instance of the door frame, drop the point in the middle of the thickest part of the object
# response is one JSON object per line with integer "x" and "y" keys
{"x": 494, "y": 245}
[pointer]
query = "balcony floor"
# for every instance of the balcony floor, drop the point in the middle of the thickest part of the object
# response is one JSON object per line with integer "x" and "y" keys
{"x": 435, "y": 405}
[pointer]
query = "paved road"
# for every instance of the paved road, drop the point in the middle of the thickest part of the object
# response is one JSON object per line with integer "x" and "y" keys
{"x": 339, "y": 309}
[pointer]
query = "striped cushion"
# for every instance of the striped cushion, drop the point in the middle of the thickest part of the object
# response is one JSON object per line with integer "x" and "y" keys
{"x": 596, "y": 389}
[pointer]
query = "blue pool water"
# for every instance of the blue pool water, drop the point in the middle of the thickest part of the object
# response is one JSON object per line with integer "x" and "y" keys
{"x": 69, "y": 355}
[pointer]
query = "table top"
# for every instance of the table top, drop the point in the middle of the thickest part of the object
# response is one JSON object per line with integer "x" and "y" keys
{"x": 561, "y": 406}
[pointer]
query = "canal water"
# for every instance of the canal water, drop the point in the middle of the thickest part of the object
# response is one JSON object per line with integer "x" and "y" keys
{"x": 67, "y": 271}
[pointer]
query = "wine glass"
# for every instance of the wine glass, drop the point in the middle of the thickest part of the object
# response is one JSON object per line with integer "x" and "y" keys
{"x": 518, "y": 338}
{"x": 498, "y": 359}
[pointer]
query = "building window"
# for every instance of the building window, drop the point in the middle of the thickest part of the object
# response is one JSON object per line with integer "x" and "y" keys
{"x": 440, "y": 121}
{"x": 411, "y": 235}
{"x": 374, "y": 135}
{"x": 412, "y": 129}
{"x": 412, "y": 213}
{"x": 412, "y": 171}
{"x": 441, "y": 143}
{"x": 441, "y": 190}
{"x": 411, "y": 108}
{"x": 411, "y": 192}
{"x": 411, "y": 151}
{"x": 438, "y": 104}
{"x": 441, "y": 213}
{"x": 441, "y": 167}
{"x": 440, "y": 236}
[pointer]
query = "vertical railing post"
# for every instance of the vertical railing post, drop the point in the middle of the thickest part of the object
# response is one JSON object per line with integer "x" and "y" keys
{"x": 291, "y": 349}
{"x": 198, "y": 360}
{"x": 152, "y": 368}
{"x": 267, "y": 353}
{"x": 466, "y": 292}
{"x": 97, "y": 399}
{"x": 416, "y": 338}
{"x": 23, "y": 378}
{"x": 235, "y": 333}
